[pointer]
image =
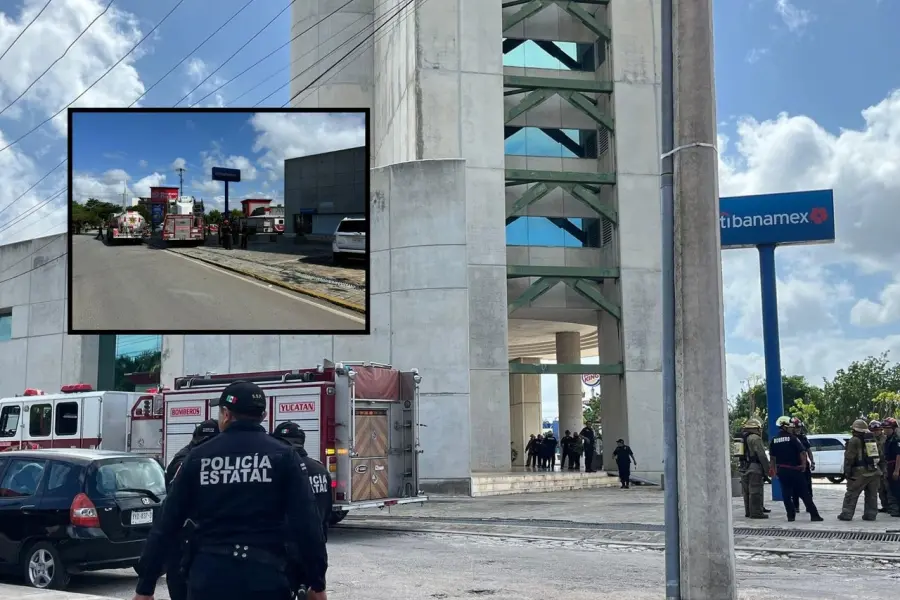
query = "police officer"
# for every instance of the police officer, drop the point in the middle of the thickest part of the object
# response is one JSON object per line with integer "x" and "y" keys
{"x": 175, "y": 575}
{"x": 319, "y": 478}
{"x": 892, "y": 464}
{"x": 861, "y": 459}
{"x": 252, "y": 504}
{"x": 799, "y": 430}
{"x": 754, "y": 464}
{"x": 789, "y": 462}
{"x": 590, "y": 448}
{"x": 888, "y": 504}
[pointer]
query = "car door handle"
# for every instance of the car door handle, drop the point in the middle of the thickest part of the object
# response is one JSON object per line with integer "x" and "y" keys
{"x": 27, "y": 508}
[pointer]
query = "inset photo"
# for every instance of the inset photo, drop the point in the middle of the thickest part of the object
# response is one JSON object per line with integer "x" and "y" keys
{"x": 218, "y": 220}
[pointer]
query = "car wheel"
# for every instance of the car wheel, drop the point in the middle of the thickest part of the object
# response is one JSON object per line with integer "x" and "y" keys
{"x": 43, "y": 568}
{"x": 837, "y": 479}
{"x": 337, "y": 516}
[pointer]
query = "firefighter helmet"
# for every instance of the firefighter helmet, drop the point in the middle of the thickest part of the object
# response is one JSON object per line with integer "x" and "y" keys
{"x": 752, "y": 423}
{"x": 783, "y": 421}
{"x": 796, "y": 423}
{"x": 889, "y": 422}
{"x": 860, "y": 426}
{"x": 873, "y": 425}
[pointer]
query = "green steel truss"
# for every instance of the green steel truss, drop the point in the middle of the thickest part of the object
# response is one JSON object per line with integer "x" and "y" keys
{"x": 580, "y": 93}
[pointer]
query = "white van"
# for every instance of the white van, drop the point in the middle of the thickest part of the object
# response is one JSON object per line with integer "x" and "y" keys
{"x": 349, "y": 240}
{"x": 828, "y": 452}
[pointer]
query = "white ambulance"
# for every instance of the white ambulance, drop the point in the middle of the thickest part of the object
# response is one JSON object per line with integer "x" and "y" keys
{"x": 79, "y": 417}
{"x": 360, "y": 419}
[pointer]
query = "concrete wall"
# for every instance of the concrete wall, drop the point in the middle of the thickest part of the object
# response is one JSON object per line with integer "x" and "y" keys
{"x": 636, "y": 60}
{"x": 34, "y": 286}
{"x": 422, "y": 317}
{"x": 333, "y": 183}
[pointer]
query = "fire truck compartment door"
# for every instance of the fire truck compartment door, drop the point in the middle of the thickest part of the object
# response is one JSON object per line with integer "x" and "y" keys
{"x": 303, "y": 407}
{"x": 68, "y": 424}
{"x": 12, "y": 423}
{"x": 182, "y": 417}
{"x": 39, "y": 415}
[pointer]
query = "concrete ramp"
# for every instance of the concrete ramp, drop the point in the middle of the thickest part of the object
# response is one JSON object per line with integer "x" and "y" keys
{"x": 16, "y": 592}
{"x": 497, "y": 484}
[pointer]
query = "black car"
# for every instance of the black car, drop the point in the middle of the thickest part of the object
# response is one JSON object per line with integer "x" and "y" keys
{"x": 65, "y": 511}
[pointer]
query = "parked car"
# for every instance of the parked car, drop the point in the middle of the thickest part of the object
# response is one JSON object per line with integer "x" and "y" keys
{"x": 349, "y": 240}
{"x": 828, "y": 452}
{"x": 67, "y": 511}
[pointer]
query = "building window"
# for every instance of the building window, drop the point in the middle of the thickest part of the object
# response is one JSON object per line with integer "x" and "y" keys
{"x": 545, "y": 54}
{"x": 557, "y": 232}
{"x": 67, "y": 418}
{"x": 5, "y": 324}
{"x": 40, "y": 417}
{"x": 552, "y": 142}
{"x": 9, "y": 421}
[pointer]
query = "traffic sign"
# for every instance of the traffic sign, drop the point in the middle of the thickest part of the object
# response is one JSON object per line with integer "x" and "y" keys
{"x": 223, "y": 174}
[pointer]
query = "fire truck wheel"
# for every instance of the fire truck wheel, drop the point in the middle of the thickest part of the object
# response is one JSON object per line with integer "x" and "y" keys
{"x": 337, "y": 516}
{"x": 43, "y": 568}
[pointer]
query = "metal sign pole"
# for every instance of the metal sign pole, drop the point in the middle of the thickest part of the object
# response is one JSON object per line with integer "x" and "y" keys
{"x": 768, "y": 284}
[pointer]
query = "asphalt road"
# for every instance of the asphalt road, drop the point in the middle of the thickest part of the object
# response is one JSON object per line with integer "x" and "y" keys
{"x": 375, "y": 564}
{"x": 126, "y": 288}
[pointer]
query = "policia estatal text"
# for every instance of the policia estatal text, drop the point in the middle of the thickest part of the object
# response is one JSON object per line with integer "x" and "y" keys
{"x": 253, "y": 507}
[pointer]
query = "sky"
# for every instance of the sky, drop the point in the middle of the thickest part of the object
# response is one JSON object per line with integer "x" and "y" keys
{"x": 129, "y": 152}
{"x": 807, "y": 96}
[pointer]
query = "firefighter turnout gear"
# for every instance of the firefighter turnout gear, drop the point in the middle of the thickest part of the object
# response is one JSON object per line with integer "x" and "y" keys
{"x": 861, "y": 460}
{"x": 753, "y": 463}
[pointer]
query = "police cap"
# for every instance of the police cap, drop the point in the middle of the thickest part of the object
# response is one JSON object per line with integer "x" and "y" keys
{"x": 290, "y": 432}
{"x": 243, "y": 398}
{"x": 206, "y": 430}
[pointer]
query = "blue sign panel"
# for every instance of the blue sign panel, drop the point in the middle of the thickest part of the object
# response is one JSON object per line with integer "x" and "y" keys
{"x": 782, "y": 219}
{"x": 222, "y": 174}
{"x": 156, "y": 214}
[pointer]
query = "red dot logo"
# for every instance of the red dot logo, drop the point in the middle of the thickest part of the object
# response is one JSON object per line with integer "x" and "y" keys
{"x": 818, "y": 215}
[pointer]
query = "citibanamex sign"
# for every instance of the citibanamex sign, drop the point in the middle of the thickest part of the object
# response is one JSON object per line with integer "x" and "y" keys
{"x": 185, "y": 411}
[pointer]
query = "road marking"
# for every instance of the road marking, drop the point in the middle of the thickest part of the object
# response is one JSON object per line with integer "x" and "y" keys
{"x": 271, "y": 288}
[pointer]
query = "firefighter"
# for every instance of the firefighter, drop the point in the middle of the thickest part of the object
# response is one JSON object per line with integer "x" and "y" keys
{"x": 244, "y": 234}
{"x": 754, "y": 464}
{"x": 892, "y": 464}
{"x": 861, "y": 459}
{"x": 789, "y": 462}
{"x": 176, "y": 580}
{"x": 884, "y": 495}
{"x": 253, "y": 507}
{"x": 225, "y": 234}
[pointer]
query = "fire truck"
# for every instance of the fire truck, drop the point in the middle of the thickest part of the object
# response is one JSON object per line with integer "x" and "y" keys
{"x": 360, "y": 419}
{"x": 79, "y": 417}
{"x": 126, "y": 226}
{"x": 184, "y": 223}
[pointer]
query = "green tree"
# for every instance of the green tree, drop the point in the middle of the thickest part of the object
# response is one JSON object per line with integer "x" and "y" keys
{"x": 145, "y": 362}
{"x": 214, "y": 217}
{"x": 236, "y": 214}
{"x": 801, "y": 399}
{"x": 592, "y": 410}
{"x": 887, "y": 404}
{"x": 854, "y": 392}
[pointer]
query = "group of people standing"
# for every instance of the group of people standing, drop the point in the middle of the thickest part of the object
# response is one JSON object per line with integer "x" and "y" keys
{"x": 871, "y": 468}
{"x": 542, "y": 448}
{"x": 229, "y": 234}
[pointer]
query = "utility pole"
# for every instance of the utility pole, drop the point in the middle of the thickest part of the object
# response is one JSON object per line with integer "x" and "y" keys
{"x": 124, "y": 195}
{"x": 706, "y": 567}
{"x": 180, "y": 171}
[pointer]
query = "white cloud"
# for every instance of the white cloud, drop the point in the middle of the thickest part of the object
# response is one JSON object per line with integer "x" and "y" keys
{"x": 796, "y": 19}
{"x": 142, "y": 164}
{"x": 756, "y": 54}
{"x": 104, "y": 43}
{"x": 178, "y": 163}
{"x": 290, "y": 135}
{"x": 885, "y": 310}
{"x": 197, "y": 71}
{"x": 110, "y": 185}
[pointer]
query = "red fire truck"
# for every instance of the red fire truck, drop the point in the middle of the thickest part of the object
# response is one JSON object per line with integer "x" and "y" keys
{"x": 79, "y": 417}
{"x": 360, "y": 419}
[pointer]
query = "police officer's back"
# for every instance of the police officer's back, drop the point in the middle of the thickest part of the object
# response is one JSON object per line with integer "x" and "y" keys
{"x": 319, "y": 477}
{"x": 789, "y": 462}
{"x": 249, "y": 497}
{"x": 176, "y": 579}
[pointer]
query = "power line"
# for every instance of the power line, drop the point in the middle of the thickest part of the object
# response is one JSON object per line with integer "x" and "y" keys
{"x": 54, "y": 259}
{"x": 272, "y": 53}
{"x": 59, "y": 112}
{"x": 22, "y": 195}
{"x": 266, "y": 26}
{"x": 191, "y": 53}
{"x": 352, "y": 50}
{"x": 31, "y": 210}
{"x": 61, "y": 56}
{"x": 21, "y": 33}
{"x": 26, "y": 257}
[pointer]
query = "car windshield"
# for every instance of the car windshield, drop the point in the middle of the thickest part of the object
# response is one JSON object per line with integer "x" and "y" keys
{"x": 352, "y": 226}
{"x": 128, "y": 476}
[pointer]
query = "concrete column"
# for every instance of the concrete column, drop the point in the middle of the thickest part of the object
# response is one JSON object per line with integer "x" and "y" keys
{"x": 568, "y": 351}
{"x": 524, "y": 409}
{"x": 706, "y": 534}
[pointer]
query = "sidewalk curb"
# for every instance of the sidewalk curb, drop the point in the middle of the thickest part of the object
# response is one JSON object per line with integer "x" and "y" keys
{"x": 272, "y": 281}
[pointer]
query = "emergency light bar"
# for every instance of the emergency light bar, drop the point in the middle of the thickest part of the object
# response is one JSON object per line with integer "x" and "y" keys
{"x": 33, "y": 392}
{"x": 76, "y": 387}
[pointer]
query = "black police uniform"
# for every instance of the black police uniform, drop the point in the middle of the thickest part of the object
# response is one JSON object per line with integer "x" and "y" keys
{"x": 785, "y": 451}
{"x": 251, "y": 502}
{"x": 590, "y": 448}
{"x": 319, "y": 477}
{"x": 176, "y": 578}
{"x": 807, "y": 474}
{"x": 891, "y": 455}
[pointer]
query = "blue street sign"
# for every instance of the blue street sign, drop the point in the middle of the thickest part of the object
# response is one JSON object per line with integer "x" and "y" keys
{"x": 222, "y": 174}
{"x": 777, "y": 219}
{"x": 156, "y": 214}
